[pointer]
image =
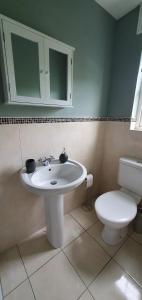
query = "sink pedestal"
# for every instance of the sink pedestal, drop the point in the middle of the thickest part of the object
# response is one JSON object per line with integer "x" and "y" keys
{"x": 54, "y": 214}
{"x": 53, "y": 183}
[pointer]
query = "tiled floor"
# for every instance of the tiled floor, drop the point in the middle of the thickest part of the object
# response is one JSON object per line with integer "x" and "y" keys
{"x": 84, "y": 269}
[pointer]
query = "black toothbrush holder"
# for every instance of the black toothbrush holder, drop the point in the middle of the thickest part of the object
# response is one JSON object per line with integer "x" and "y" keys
{"x": 30, "y": 165}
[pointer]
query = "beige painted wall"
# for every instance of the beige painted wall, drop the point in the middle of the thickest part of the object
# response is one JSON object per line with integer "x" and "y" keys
{"x": 21, "y": 212}
{"x": 119, "y": 141}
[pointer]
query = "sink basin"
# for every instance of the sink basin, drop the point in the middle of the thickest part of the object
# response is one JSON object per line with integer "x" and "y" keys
{"x": 52, "y": 182}
{"x": 57, "y": 178}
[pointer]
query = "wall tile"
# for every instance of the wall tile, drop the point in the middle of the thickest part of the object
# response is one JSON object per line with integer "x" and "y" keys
{"x": 21, "y": 212}
{"x": 10, "y": 155}
{"x": 98, "y": 145}
{"x": 119, "y": 141}
{"x": 83, "y": 142}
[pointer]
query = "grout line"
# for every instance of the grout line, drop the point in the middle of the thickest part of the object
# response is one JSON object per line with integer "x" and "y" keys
{"x": 81, "y": 294}
{"x": 86, "y": 229}
{"x": 15, "y": 246}
{"x": 126, "y": 272}
{"x": 120, "y": 247}
{"x": 75, "y": 269}
{"x": 91, "y": 294}
{"x": 87, "y": 290}
{"x": 110, "y": 258}
{"x": 128, "y": 236}
{"x": 81, "y": 233}
{"x": 139, "y": 243}
{"x": 76, "y": 220}
{"x": 20, "y": 143}
{"x": 97, "y": 221}
{"x": 15, "y": 288}
{"x": 100, "y": 272}
{"x": 123, "y": 242}
{"x": 29, "y": 275}
{"x": 26, "y": 271}
{"x": 61, "y": 250}
{"x": 82, "y": 225}
{"x": 31, "y": 288}
{"x": 94, "y": 239}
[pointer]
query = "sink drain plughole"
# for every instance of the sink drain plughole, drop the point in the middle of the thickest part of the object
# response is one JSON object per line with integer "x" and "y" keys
{"x": 53, "y": 182}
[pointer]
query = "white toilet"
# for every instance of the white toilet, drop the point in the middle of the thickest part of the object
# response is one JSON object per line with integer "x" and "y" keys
{"x": 116, "y": 209}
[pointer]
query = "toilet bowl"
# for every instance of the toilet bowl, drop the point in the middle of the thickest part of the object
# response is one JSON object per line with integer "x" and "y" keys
{"x": 115, "y": 210}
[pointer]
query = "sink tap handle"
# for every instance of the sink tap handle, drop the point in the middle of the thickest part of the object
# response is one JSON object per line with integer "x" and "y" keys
{"x": 44, "y": 161}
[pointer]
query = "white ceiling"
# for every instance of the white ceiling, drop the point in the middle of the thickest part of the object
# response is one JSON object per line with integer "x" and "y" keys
{"x": 118, "y": 8}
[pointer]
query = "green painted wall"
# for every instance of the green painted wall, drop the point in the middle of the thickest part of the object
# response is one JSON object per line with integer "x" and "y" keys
{"x": 83, "y": 25}
{"x": 126, "y": 58}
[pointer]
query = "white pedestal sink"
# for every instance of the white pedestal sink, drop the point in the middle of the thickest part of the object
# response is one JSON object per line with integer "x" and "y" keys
{"x": 53, "y": 182}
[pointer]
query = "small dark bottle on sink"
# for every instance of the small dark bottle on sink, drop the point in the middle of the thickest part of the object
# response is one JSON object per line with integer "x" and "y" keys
{"x": 63, "y": 156}
{"x": 30, "y": 165}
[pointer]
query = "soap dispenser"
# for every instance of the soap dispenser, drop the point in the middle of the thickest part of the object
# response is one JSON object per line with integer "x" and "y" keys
{"x": 63, "y": 156}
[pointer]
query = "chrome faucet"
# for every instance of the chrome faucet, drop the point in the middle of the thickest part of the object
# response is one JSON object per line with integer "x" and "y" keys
{"x": 46, "y": 160}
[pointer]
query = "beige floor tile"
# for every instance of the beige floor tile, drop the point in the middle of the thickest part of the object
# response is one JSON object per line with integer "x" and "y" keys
{"x": 87, "y": 257}
{"x": 130, "y": 229}
{"x": 130, "y": 258}
{"x": 95, "y": 231}
{"x": 137, "y": 237}
{"x": 36, "y": 252}
{"x": 71, "y": 229}
{"x": 12, "y": 271}
{"x": 23, "y": 292}
{"x": 57, "y": 280}
{"x": 114, "y": 284}
{"x": 86, "y": 296}
{"x": 83, "y": 217}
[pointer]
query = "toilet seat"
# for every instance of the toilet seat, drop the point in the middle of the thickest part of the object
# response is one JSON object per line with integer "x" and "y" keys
{"x": 116, "y": 207}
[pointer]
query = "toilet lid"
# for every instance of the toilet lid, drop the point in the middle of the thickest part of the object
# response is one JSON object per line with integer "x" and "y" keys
{"x": 116, "y": 206}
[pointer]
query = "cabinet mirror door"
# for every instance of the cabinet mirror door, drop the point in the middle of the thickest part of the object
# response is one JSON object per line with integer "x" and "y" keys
{"x": 58, "y": 65}
{"x": 59, "y": 69}
{"x": 25, "y": 64}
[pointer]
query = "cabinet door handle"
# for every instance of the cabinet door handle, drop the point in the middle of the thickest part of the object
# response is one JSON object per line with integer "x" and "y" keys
{"x": 46, "y": 72}
{"x": 41, "y": 71}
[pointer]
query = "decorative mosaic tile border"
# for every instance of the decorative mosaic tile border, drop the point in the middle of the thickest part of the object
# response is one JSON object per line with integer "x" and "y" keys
{"x": 31, "y": 120}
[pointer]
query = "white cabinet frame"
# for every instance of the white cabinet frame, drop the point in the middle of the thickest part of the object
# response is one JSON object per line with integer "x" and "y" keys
{"x": 44, "y": 42}
{"x": 9, "y": 28}
{"x": 55, "y": 45}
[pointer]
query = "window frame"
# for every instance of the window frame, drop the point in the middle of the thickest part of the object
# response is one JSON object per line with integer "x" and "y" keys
{"x": 136, "y": 117}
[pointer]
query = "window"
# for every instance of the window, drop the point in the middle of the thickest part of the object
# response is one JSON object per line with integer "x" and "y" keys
{"x": 136, "y": 118}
